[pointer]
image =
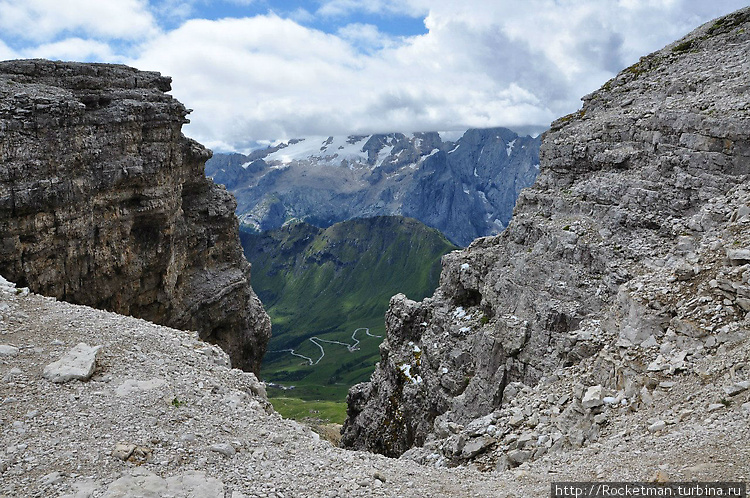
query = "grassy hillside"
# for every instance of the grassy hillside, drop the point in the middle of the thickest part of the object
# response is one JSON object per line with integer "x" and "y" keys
{"x": 325, "y": 284}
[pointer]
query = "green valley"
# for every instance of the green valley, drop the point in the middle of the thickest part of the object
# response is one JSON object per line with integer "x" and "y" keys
{"x": 327, "y": 291}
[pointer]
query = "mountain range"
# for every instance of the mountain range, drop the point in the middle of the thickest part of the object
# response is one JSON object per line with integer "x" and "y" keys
{"x": 465, "y": 185}
{"x": 604, "y": 335}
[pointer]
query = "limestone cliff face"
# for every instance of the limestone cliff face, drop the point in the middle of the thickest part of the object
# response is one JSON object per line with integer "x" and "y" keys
{"x": 104, "y": 202}
{"x": 632, "y": 238}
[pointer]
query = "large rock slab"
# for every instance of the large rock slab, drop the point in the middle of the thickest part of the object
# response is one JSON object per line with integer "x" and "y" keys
{"x": 77, "y": 364}
{"x": 146, "y": 484}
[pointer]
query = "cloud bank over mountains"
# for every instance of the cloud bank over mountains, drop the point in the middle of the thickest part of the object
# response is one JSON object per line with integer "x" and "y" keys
{"x": 256, "y": 72}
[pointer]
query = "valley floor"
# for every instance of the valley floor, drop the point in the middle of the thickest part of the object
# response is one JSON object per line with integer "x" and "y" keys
{"x": 162, "y": 415}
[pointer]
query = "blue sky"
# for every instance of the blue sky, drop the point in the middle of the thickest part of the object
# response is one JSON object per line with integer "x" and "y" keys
{"x": 325, "y": 16}
{"x": 257, "y": 71}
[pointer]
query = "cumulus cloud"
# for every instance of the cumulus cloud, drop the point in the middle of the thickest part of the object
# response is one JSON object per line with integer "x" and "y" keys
{"x": 43, "y": 20}
{"x": 75, "y": 49}
{"x": 271, "y": 77}
{"x": 366, "y": 37}
{"x": 6, "y": 52}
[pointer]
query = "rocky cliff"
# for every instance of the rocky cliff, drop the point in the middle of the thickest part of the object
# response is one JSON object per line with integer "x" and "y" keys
{"x": 624, "y": 272}
{"x": 104, "y": 202}
{"x": 465, "y": 187}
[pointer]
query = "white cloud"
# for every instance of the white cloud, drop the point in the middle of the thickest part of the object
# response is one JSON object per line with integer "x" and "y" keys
{"x": 366, "y": 37}
{"x": 42, "y": 20}
{"x": 73, "y": 49}
{"x": 480, "y": 64}
{"x": 499, "y": 63}
{"x": 6, "y": 52}
{"x": 270, "y": 78}
{"x": 175, "y": 11}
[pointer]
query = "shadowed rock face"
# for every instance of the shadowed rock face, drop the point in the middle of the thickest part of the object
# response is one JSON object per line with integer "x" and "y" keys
{"x": 636, "y": 213}
{"x": 104, "y": 202}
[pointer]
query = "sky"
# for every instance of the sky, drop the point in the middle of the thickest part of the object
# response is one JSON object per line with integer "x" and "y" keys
{"x": 259, "y": 71}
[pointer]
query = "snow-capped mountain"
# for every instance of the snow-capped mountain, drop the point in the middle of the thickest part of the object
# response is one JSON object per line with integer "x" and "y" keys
{"x": 464, "y": 185}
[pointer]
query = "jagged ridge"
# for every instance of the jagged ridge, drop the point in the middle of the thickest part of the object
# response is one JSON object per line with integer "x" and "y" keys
{"x": 465, "y": 188}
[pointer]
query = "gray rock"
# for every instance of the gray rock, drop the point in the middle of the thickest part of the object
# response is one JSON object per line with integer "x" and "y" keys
{"x": 8, "y": 351}
{"x": 147, "y": 484}
{"x": 516, "y": 419}
{"x": 517, "y": 457}
{"x": 737, "y": 388}
{"x": 738, "y": 257}
{"x": 587, "y": 260}
{"x": 594, "y": 397}
{"x": 475, "y": 446}
{"x": 77, "y": 364}
{"x": 144, "y": 232}
{"x": 51, "y": 479}
{"x": 130, "y": 386}
{"x": 225, "y": 449}
{"x": 657, "y": 426}
{"x": 123, "y": 451}
{"x": 132, "y": 452}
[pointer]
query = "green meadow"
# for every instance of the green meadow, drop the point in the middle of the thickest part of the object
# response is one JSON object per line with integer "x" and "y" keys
{"x": 325, "y": 284}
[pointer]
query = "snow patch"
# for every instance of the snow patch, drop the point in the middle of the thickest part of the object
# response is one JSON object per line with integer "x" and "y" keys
{"x": 509, "y": 147}
{"x": 406, "y": 370}
{"x": 384, "y": 154}
{"x": 326, "y": 150}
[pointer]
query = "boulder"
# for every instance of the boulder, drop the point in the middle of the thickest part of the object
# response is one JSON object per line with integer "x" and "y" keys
{"x": 77, "y": 364}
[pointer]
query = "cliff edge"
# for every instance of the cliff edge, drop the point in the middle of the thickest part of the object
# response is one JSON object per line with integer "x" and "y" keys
{"x": 104, "y": 202}
{"x": 623, "y": 274}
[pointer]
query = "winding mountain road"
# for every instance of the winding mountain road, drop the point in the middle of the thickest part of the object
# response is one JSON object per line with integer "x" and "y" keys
{"x": 318, "y": 342}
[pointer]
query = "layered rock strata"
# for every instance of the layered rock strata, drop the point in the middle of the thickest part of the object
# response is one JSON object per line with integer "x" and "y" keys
{"x": 104, "y": 202}
{"x": 627, "y": 262}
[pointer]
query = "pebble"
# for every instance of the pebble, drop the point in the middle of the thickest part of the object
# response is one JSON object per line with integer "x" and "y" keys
{"x": 737, "y": 388}
{"x": 51, "y": 478}
{"x": 225, "y": 449}
{"x": 657, "y": 426}
{"x": 123, "y": 451}
{"x": 8, "y": 351}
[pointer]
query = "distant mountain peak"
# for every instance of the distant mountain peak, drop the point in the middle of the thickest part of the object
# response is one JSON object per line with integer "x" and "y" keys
{"x": 465, "y": 186}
